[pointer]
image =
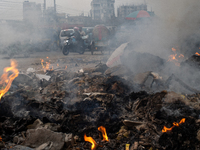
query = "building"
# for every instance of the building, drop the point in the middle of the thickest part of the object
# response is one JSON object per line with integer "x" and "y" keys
{"x": 32, "y": 12}
{"x": 125, "y": 10}
{"x": 102, "y": 10}
{"x": 79, "y": 20}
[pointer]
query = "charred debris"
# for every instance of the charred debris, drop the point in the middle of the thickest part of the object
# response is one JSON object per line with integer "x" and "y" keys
{"x": 102, "y": 108}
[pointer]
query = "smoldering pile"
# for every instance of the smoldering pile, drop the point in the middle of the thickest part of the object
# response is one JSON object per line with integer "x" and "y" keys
{"x": 62, "y": 109}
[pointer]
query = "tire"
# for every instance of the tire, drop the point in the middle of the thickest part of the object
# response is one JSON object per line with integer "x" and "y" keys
{"x": 92, "y": 51}
{"x": 82, "y": 51}
{"x": 92, "y": 48}
{"x": 65, "y": 50}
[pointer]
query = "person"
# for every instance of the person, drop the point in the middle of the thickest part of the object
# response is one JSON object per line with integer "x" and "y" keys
{"x": 81, "y": 31}
{"x": 89, "y": 33}
{"x": 77, "y": 34}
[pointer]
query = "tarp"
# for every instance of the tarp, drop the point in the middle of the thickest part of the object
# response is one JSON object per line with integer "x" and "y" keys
{"x": 114, "y": 59}
{"x": 138, "y": 14}
{"x": 100, "y": 33}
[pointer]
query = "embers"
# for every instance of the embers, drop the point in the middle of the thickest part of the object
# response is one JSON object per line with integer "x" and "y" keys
{"x": 175, "y": 58}
{"x": 175, "y": 124}
{"x": 93, "y": 142}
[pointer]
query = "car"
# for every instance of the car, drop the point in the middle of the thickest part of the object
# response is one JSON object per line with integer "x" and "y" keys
{"x": 64, "y": 35}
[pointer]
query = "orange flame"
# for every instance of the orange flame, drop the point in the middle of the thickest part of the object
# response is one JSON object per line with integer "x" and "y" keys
{"x": 0, "y": 138}
{"x": 92, "y": 141}
{"x": 181, "y": 56}
{"x": 104, "y": 134}
{"x": 175, "y": 57}
{"x": 182, "y": 121}
{"x": 172, "y": 57}
{"x": 6, "y": 79}
{"x": 47, "y": 67}
{"x": 173, "y": 49}
{"x": 165, "y": 129}
{"x": 42, "y": 63}
{"x": 197, "y": 53}
{"x": 175, "y": 124}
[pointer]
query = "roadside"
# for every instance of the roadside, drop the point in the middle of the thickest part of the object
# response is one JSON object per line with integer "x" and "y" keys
{"x": 72, "y": 62}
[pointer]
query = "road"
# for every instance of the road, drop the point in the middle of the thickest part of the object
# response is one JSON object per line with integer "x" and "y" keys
{"x": 73, "y": 61}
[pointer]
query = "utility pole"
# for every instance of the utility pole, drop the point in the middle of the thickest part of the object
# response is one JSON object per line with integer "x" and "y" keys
{"x": 55, "y": 6}
{"x": 45, "y": 5}
{"x": 44, "y": 11}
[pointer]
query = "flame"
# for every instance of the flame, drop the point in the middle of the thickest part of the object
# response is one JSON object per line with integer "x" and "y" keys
{"x": 182, "y": 121}
{"x": 172, "y": 57}
{"x": 165, "y": 129}
{"x": 104, "y": 134}
{"x": 47, "y": 66}
{"x": 173, "y": 49}
{"x": 92, "y": 141}
{"x": 175, "y": 124}
{"x": 0, "y": 138}
{"x": 197, "y": 53}
{"x": 181, "y": 56}
{"x": 175, "y": 57}
{"x": 6, "y": 79}
{"x": 42, "y": 63}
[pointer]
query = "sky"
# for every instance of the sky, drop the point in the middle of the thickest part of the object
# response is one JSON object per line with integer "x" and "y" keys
{"x": 12, "y": 9}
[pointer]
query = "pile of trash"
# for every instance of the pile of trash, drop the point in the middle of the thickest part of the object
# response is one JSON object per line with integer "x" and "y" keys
{"x": 98, "y": 108}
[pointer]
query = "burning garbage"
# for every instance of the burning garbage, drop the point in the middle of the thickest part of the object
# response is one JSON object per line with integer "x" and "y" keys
{"x": 175, "y": 124}
{"x": 46, "y": 65}
{"x": 92, "y": 141}
{"x": 144, "y": 96}
{"x": 104, "y": 134}
{"x": 6, "y": 78}
{"x": 79, "y": 110}
{"x": 197, "y": 54}
{"x": 176, "y": 58}
{"x": 69, "y": 106}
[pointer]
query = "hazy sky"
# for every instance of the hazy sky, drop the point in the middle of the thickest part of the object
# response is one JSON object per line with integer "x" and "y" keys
{"x": 12, "y": 9}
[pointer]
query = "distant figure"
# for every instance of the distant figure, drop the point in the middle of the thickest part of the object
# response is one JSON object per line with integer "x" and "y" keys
{"x": 77, "y": 34}
{"x": 81, "y": 31}
{"x": 89, "y": 33}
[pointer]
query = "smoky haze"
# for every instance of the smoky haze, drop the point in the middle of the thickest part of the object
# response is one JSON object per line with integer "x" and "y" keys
{"x": 180, "y": 16}
{"x": 176, "y": 24}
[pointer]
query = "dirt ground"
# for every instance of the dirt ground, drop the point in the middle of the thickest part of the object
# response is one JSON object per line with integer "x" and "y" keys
{"x": 73, "y": 61}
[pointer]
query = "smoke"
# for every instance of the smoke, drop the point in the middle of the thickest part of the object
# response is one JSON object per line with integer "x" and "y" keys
{"x": 180, "y": 16}
{"x": 176, "y": 24}
{"x": 20, "y": 37}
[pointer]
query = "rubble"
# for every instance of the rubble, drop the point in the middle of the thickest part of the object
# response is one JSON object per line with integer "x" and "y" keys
{"x": 58, "y": 112}
{"x": 37, "y": 137}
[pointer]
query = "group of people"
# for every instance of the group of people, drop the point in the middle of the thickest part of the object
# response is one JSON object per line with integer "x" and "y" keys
{"x": 78, "y": 33}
